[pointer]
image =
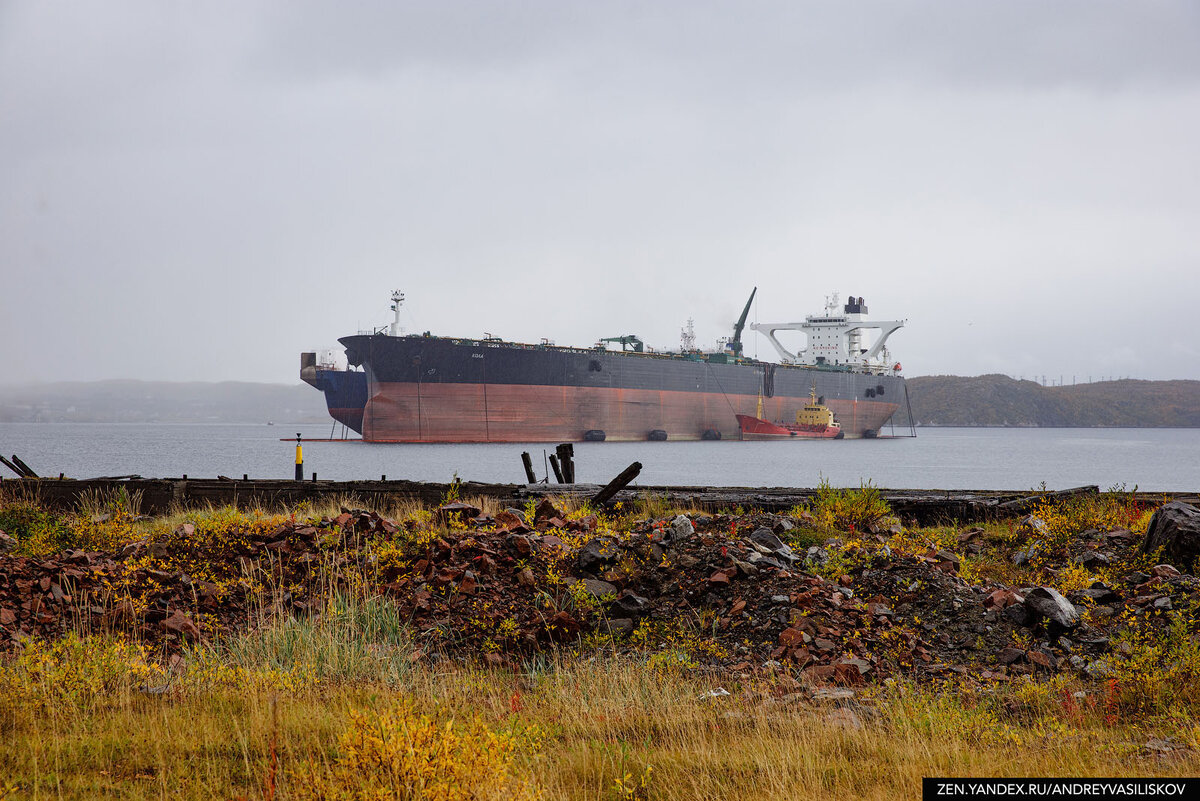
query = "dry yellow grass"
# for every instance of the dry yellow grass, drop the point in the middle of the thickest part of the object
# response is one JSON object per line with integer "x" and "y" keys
{"x": 581, "y": 730}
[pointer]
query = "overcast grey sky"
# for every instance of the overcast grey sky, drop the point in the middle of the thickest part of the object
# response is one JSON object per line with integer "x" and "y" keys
{"x": 199, "y": 191}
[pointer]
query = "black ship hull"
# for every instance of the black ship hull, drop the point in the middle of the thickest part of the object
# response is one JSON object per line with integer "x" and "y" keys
{"x": 435, "y": 389}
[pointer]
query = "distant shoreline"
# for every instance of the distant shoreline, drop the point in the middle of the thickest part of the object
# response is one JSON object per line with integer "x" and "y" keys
{"x": 997, "y": 401}
{"x": 987, "y": 401}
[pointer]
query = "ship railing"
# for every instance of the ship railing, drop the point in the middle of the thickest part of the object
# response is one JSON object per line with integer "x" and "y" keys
{"x": 484, "y": 343}
{"x": 492, "y": 343}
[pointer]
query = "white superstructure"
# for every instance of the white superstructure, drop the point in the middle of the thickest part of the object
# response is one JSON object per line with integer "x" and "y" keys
{"x": 836, "y": 339}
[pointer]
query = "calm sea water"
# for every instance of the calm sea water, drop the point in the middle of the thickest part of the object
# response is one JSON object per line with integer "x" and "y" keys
{"x": 939, "y": 458}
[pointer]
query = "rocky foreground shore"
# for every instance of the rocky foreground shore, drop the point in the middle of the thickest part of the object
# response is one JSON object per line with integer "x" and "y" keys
{"x": 731, "y": 592}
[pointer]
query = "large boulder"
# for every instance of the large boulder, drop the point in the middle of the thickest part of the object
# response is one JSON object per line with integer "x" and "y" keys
{"x": 681, "y": 528}
{"x": 597, "y": 588}
{"x": 1048, "y": 603}
{"x": 1175, "y": 528}
{"x": 632, "y": 604}
{"x": 546, "y": 510}
{"x": 456, "y": 512}
{"x": 596, "y": 553}
{"x": 766, "y": 539}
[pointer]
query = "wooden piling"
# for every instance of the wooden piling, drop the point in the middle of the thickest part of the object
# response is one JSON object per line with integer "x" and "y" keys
{"x": 528, "y": 464}
{"x": 617, "y": 484}
{"x": 566, "y": 457}
{"x": 24, "y": 467}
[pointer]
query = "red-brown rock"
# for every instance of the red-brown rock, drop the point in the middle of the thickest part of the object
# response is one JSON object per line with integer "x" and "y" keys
{"x": 179, "y": 623}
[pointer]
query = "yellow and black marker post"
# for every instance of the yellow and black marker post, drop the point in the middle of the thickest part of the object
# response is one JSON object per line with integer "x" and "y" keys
{"x": 299, "y": 460}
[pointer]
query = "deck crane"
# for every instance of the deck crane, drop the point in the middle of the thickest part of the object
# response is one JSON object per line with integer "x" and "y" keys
{"x": 632, "y": 340}
{"x": 735, "y": 344}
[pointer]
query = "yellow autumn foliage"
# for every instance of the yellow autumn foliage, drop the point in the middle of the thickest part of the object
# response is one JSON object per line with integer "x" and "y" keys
{"x": 403, "y": 753}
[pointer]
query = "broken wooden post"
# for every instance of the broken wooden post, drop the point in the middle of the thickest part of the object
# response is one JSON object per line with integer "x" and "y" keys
{"x": 566, "y": 456}
{"x": 17, "y": 460}
{"x": 12, "y": 467}
{"x": 617, "y": 484}
{"x": 528, "y": 463}
{"x": 558, "y": 476}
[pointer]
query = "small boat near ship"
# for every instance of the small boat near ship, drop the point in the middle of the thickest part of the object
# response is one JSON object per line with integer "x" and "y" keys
{"x": 813, "y": 421}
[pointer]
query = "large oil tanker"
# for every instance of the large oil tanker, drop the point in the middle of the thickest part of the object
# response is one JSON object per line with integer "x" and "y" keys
{"x": 424, "y": 388}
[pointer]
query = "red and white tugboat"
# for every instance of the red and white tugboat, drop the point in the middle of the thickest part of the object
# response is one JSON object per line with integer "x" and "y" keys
{"x": 813, "y": 421}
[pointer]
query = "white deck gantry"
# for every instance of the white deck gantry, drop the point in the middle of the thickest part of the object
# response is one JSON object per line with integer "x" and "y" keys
{"x": 835, "y": 338}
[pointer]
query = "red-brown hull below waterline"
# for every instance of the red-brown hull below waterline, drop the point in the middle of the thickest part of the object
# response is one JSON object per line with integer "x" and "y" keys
{"x": 437, "y": 412}
{"x": 755, "y": 428}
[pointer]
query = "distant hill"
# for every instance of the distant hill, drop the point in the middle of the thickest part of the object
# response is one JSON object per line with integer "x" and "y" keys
{"x": 162, "y": 402}
{"x": 940, "y": 400}
{"x": 997, "y": 400}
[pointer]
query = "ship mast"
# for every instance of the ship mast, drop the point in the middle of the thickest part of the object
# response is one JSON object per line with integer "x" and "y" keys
{"x": 687, "y": 337}
{"x": 397, "y": 301}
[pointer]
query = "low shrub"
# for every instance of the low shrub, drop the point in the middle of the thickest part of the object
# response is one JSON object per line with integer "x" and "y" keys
{"x": 1066, "y": 518}
{"x": 38, "y": 532}
{"x": 74, "y": 674}
{"x": 1157, "y": 670}
{"x": 405, "y": 753}
{"x": 847, "y": 509}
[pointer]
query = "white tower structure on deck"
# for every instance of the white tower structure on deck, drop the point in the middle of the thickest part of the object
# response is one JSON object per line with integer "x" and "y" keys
{"x": 835, "y": 338}
{"x": 397, "y": 301}
{"x": 687, "y": 337}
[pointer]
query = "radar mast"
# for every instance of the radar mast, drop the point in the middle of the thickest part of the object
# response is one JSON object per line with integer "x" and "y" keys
{"x": 397, "y": 301}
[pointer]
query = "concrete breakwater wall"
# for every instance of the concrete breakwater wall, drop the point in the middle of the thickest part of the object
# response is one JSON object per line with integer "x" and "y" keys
{"x": 158, "y": 496}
